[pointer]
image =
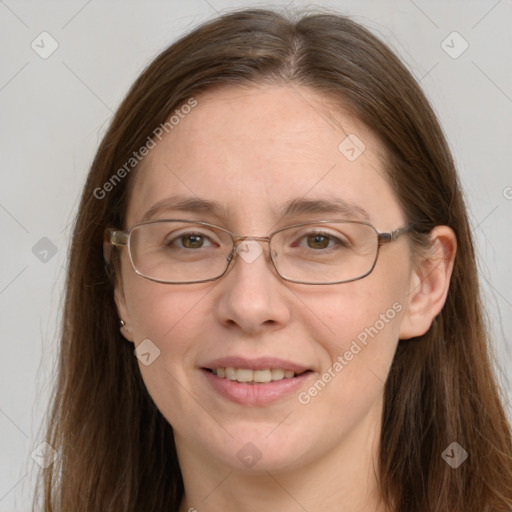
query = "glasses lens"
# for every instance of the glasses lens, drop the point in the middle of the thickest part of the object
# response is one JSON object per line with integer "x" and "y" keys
{"x": 324, "y": 253}
{"x": 179, "y": 252}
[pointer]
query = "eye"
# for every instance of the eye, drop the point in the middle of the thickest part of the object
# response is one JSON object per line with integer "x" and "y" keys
{"x": 322, "y": 240}
{"x": 193, "y": 241}
{"x": 318, "y": 241}
{"x": 189, "y": 241}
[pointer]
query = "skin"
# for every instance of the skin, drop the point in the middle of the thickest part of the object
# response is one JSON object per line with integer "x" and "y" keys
{"x": 252, "y": 149}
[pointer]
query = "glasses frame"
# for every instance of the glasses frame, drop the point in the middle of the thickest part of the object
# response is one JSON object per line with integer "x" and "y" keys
{"x": 119, "y": 239}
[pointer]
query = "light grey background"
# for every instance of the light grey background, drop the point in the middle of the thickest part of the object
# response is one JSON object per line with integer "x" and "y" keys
{"x": 54, "y": 112}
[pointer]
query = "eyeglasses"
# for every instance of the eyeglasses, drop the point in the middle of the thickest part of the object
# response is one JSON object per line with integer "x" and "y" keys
{"x": 181, "y": 251}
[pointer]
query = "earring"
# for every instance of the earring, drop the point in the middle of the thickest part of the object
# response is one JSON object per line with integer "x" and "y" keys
{"x": 122, "y": 323}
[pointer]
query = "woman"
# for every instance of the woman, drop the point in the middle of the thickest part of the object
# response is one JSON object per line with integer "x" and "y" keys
{"x": 288, "y": 257}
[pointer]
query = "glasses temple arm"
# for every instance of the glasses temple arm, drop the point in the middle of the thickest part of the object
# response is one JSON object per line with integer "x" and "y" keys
{"x": 117, "y": 238}
{"x": 113, "y": 238}
{"x": 385, "y": 238}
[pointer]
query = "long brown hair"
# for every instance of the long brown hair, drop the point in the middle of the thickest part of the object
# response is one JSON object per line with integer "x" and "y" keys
{"x": 116, "y": 451}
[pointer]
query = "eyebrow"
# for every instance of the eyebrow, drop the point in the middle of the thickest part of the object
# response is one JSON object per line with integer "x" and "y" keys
{"x": 294, "y": 207}
{"x": 334, "y": 206}
{"x": 186, "y": 204}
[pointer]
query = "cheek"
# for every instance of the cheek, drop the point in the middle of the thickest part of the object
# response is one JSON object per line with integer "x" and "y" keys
{"x": 156, "y": 310}
{"x": 366, "y": 348}
{"x": 356, "y": 361}
{"x": 358, "y": 319}
{"x": 356, "y": 328}
{"x": 171, "y": 316}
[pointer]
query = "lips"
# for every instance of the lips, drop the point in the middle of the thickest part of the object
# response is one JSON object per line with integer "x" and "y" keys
{"x": 255, "y": 382}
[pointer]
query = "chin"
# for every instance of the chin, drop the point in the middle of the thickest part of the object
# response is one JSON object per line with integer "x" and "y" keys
{"x": 256, "y": 451}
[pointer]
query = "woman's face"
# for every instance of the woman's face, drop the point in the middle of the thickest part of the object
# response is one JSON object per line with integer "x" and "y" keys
{"x": 253, "y": 151}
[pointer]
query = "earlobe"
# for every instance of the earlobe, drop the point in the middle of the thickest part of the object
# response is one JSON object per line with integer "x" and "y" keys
{"x": 430, "y": 283}
{"x": 122, "y": 310}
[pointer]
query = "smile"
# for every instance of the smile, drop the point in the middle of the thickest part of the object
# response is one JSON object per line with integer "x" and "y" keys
{"x": 254, "y": 376}
{"x": 255, "y": 388}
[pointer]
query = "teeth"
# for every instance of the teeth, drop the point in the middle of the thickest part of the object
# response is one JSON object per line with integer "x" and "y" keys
{"x": 243, "y": 375}
{"x": 253, "y": 376}
{"x": 262, "y": 376}
{"x": 277, "y": 373}
{"x": 230, "y": 373}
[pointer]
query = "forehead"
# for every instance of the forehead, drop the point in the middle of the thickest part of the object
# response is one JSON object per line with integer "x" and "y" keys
{"x": 254, "y": 150}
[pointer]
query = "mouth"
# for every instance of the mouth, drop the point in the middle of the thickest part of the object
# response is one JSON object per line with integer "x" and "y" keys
{"x": 249, "y": 376}
{"x": 255, "y": 382}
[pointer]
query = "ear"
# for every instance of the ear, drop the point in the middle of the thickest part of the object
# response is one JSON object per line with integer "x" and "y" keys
{"x": 429, "y": 283}
{"x": 122, "y": 310}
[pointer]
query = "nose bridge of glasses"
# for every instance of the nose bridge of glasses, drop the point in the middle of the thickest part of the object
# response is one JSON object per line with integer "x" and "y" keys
{"x": 248, "y": 247}
{"x": 238, "y": 239}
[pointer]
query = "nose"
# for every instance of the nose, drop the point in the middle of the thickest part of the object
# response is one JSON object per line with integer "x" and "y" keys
{"x": 251, "y": 295}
